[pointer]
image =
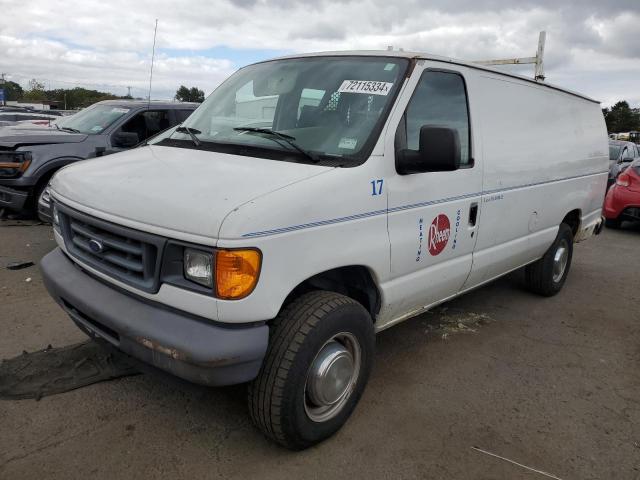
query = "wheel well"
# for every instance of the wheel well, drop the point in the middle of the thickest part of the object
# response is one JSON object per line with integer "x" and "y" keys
{"x": 573, "y": 220}
{"x": 353, "y": 281}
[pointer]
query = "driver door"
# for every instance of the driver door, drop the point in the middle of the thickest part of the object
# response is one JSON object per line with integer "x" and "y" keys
{"x": 433, "y": 216}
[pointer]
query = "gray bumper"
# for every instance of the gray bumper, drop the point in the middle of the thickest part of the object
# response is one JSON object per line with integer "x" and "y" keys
{"x": 189, "y": 347}
{"x": 12, "y": 199}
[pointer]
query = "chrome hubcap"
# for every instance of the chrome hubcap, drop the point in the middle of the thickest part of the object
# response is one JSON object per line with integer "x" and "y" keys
{"x": 560, "y": 261}
{"x": 332, "y": 377}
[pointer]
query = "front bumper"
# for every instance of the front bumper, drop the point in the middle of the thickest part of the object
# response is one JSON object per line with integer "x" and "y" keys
{"x": 189, "y": 347}
{"x": 12, "y": 199}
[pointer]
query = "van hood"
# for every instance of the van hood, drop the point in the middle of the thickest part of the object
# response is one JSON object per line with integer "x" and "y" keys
{"x": 178, "y": 192}
{"x": 17, "y": 135}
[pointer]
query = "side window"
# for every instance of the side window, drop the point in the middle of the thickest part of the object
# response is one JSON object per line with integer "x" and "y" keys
{"x": 147, "y": 123}
{"x": 439, "y": 99}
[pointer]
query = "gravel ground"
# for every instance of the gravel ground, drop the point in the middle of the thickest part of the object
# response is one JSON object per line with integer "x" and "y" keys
{"x": 552, "y": 384}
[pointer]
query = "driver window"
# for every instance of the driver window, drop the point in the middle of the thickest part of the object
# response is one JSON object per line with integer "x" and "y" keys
{"x": 148, "y": 123}
{"x": 439, "y": 99}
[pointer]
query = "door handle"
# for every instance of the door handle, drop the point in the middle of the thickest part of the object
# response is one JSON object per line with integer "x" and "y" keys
{"x": 473, "y": 214}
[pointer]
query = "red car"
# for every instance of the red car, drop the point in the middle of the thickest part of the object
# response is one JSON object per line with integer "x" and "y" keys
{"x": 623, "y": 198}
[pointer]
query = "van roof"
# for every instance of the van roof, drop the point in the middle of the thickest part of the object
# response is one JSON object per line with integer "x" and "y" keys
{"x": 429, "y": 56}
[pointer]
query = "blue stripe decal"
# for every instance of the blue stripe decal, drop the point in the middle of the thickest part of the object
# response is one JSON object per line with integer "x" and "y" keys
{"x": 375, "y": 213}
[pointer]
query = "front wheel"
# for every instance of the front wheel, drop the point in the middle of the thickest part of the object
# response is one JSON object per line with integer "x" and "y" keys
{"x": 315, "y": 370}
{"x": 547, "y": 275}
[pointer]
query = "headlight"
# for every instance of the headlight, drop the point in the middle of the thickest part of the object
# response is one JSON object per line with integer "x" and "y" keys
{"x": 13, "y": 164}
{"x": 198, "y": 267}
{"x": 232, "y": 274}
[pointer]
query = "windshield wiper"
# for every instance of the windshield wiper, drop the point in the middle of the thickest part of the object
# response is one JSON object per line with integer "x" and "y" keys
{"x": 191, "y": 132}
{"x": 69, "y": 129}
{"x": 290, "y": 140}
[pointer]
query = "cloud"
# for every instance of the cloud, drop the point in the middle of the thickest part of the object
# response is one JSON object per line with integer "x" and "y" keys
{"x": 109, "y": 43}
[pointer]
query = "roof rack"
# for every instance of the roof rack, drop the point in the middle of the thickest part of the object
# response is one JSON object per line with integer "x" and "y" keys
{"x": 537, "y": 60}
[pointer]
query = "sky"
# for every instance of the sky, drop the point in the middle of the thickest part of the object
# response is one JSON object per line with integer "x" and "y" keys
{"x": 593, "y": 46}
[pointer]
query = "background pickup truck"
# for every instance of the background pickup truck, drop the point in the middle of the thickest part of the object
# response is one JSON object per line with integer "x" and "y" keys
{"x": 30, "y": 155}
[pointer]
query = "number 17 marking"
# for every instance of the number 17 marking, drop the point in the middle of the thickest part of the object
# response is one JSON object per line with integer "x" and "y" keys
{"x": 376, "y": 187}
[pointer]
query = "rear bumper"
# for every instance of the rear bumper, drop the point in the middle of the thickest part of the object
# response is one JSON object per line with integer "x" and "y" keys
{"x": 619, "y": 200}
{"x": 189, "y": 347}
{"x": 12, "y": 199}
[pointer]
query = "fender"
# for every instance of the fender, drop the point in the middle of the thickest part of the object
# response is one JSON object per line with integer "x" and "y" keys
{"x": 52, "y": 165}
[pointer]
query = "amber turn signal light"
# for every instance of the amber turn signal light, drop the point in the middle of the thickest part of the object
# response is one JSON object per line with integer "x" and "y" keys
{"x": 237, "y": 272}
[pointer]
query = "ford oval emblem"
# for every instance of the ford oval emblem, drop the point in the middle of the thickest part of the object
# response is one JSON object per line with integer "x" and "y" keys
{"x": 96, "y": 246}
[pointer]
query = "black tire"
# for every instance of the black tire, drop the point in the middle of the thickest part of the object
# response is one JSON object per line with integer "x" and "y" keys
{"x": 539, "y": 276}
{"x": 277, "y": 396}
{"x": 613, "y": 223}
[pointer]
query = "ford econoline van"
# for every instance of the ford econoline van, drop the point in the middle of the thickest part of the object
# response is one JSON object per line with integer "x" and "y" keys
{"x": 312, "y": 201}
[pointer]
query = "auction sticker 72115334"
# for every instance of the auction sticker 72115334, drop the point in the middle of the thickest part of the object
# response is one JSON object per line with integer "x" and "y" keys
{"x": 369, "y": 87}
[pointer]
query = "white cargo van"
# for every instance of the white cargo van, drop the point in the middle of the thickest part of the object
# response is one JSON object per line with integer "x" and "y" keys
{"x": 312, "y": 201}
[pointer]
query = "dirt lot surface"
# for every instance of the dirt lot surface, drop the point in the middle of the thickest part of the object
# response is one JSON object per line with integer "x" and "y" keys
{"x": 553, "y": 384}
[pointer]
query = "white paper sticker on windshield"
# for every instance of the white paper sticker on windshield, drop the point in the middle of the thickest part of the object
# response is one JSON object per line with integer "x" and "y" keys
{"x": 119, "y": 110}
{"x": 348, "y": 143}
{"x": 365, "y": 86}
{"x": 97, "y": 128}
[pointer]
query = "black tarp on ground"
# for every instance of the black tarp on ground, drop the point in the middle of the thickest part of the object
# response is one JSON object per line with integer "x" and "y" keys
{"x": 58, "y": 370}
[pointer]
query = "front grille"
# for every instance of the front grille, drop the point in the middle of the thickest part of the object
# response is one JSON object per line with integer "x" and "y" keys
{"x": 128, "y": 255}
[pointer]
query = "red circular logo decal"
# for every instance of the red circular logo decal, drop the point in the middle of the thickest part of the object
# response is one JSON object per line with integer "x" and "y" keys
{"x": 439, "y": 233}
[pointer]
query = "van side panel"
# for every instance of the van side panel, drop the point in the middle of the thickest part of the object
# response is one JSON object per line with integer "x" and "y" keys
{"x": 545, "y": 153}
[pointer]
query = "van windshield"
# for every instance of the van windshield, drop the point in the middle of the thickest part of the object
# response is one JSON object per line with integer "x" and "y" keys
{"x": 331, "y": 108}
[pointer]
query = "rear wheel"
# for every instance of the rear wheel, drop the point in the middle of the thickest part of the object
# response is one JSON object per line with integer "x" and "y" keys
{"x": 315, "y": 370}
{"x": 547, "y": 276}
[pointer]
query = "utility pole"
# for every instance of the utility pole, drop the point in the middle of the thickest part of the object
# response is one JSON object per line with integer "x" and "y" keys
{"x": 538, "y": 60}
{"x": 4, "y": 93}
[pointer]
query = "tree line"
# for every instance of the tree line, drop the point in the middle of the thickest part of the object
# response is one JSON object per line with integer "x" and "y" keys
{"x": 622, "y": 118}
{"x": 78, "y": 97}
{"x": 65, "y": 98}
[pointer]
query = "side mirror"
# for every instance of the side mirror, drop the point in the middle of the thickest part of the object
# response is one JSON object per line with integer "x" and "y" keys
{"x": 125, "y": 139}
{"x": 626, "y": 160}
{"x": 439, "y": 151}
